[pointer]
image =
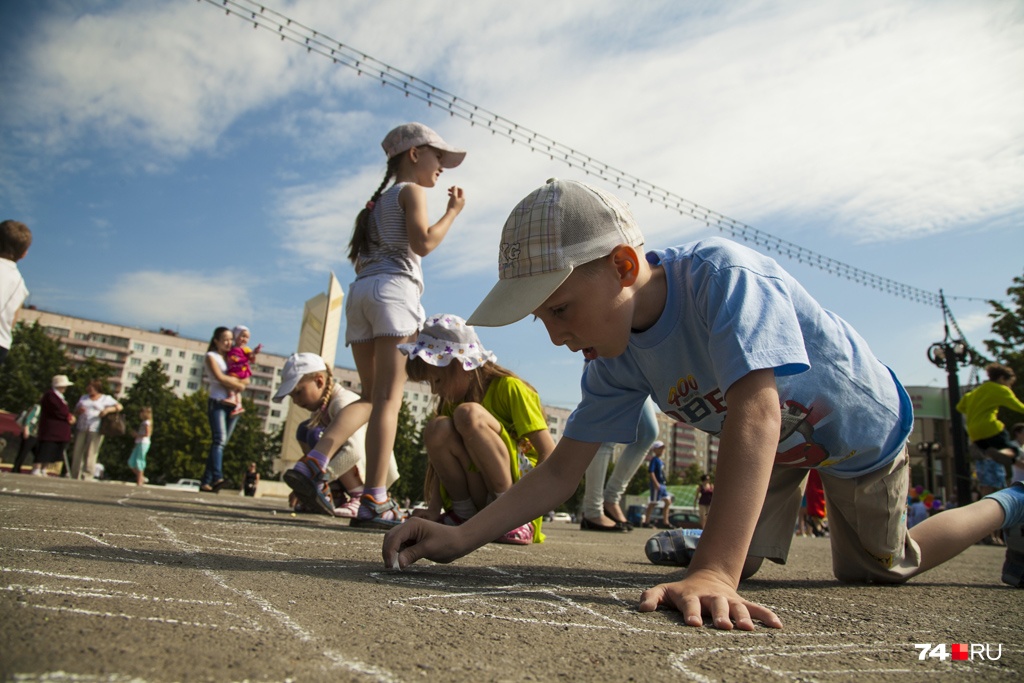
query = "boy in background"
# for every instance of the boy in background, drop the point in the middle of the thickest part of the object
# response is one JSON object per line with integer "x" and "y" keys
{"x": 15, "y": 239}
{"x": 708, "y": 330}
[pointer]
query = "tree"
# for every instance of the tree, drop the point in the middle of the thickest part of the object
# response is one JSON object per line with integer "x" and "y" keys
{"x": 33, "y": 360}
{"x": 248, "y": 443}
{"x": 1008, "y": 324}
{"x": 411, "y": 456}
{"x": 1008, "y": 349}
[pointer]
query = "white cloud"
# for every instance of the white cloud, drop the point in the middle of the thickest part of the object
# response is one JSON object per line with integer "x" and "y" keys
{"x": 173, "y": 299}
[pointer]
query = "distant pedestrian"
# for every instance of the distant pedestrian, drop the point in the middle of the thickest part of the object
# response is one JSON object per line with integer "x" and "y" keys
{"x": 28, "y": 420}
{"x": 90, "y": 410}
{"x": 251, "y": 480}
{"x": 137, "y": 460}
{"x": 659, "y": 492}
{"x": 219, "y": 413}
{"x": 55, "y": 420}
{"x": 705, "y": 492}
{"x": 602, "y": 510}
{"x": 15, "y": 239}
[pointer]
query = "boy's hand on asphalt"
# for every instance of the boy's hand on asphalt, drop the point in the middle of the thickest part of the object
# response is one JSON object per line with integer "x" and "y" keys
{"x": 416, "y": 539}
{"x": 704, "y": 593}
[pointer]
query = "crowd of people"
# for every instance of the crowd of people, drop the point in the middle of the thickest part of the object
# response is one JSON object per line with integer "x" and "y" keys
{"x": 700, "y": 331}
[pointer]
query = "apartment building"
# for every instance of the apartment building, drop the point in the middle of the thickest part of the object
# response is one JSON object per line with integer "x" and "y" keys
{"x": 129, "y": 349}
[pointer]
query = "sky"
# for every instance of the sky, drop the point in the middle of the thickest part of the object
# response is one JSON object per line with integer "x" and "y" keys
{"x": 180, "y": 169}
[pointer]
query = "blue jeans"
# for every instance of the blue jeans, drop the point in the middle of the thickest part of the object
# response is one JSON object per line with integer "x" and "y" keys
{"x": 221, "y": 425}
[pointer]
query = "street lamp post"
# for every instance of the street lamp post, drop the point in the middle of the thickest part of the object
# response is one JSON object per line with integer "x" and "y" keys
{"x": 928, "y": 449}
{"x": 948, "y": 355}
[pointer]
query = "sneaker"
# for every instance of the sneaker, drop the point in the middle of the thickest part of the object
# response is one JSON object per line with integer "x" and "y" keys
{"x": 238, "y": 410}
{"x": 1013, "y": 566}
{"x": 521, "y": 535}
{"x": 674, "y": 547}
{"x": 309, "y": 492}
{"x": 373, "y": 514}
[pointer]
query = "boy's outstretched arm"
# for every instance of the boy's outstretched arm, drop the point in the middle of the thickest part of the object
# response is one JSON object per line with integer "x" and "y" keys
{"x": 749, "y": 440}
{"x": 543, "y": 488}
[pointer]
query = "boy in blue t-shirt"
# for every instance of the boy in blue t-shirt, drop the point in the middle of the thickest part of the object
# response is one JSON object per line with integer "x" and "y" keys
{"x": 711, "y": 329}
{"x": 659, "y": 492}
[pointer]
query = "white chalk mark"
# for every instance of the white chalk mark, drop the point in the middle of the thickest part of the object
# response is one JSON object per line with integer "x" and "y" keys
{"x": 61, "y": 576}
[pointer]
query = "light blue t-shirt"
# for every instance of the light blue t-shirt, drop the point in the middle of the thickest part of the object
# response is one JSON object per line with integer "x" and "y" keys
{"x": 730, "y": 311}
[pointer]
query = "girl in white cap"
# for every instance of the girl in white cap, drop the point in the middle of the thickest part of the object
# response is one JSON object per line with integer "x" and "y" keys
{"x": 392, "y": 234}
{"x": 310, "y": 384}
{"x": 485, "y": 411}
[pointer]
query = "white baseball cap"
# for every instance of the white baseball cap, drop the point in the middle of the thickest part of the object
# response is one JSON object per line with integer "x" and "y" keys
{"x": 295, "y": 368}
{"x": 657, "y": 444}
{"x": 557, "y": 227}
{"x": 409, "y": 135}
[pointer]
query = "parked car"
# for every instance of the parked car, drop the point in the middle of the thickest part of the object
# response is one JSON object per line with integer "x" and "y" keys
{"x": 561, "y": 517}
{"x": 184, "y": 485}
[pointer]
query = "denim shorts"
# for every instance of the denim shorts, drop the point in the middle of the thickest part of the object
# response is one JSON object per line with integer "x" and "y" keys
{"x": 382, "y": 306}
{"x": 990, "y": 473}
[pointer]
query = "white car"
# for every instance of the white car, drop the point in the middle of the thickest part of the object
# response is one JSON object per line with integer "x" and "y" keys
{"x": 184, "y": 485}
{"x": 561, "y": 517}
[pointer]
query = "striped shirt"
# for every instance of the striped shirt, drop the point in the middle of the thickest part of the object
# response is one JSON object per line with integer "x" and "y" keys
{"x": 389, "y": 252}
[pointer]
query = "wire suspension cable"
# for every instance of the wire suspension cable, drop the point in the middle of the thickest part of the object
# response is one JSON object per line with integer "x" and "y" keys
{"x": 411, "y": 86}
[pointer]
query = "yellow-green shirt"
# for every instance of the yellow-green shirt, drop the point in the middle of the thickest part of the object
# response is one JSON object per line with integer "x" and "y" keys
{"x": 517, "y": 409}
{"x": 981, "y": 405}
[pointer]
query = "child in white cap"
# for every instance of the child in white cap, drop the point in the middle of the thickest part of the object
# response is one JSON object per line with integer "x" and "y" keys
{"x": 485, "y": 411}
{"x": 382, "y": 310}
{"x": 309, "y": 382}
{"x": 712, "y": 329}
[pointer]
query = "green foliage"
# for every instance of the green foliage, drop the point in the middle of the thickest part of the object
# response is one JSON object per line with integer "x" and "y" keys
{"x": 411, "y": 456}
{"x": 33, "y": 360}
{"x": 248, "y": 443}
{"x": 1008, "y": 349}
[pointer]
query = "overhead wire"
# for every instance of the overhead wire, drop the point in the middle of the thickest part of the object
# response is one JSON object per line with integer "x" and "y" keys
{"x": 410, "y": 86}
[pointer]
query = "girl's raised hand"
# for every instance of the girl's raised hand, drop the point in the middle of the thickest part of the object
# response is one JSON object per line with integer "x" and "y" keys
{"x": 456, "y": 198}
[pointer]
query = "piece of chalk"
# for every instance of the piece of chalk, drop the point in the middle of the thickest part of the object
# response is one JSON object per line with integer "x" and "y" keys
{"x": 394, "y": 563}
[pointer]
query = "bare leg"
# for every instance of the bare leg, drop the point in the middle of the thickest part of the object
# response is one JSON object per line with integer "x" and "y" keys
{"x": 481, "y": 436}
{"x": 451, "y": 462}
{"x": 947, "y": 534}
{"x": 382, "y": 374}
{"x": 351, "y": 479}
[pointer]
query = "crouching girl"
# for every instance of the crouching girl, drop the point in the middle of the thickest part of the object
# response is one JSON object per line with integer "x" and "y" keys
{"x": 333, "y": 488}
{"x": 484, "y": 411}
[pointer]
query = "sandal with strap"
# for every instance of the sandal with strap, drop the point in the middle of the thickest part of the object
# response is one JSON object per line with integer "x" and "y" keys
{"x": 385, "y": 514}
{"x": 310, "y": 492}
{"x": 521, "y": 535}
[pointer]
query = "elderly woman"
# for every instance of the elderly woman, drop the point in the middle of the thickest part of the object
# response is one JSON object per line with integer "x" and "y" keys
{"x": 55, "y": 420}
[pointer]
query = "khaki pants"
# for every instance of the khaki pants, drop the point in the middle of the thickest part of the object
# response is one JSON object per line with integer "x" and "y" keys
{"x": 84, "y": 453}
{"x": 867, "y": 522}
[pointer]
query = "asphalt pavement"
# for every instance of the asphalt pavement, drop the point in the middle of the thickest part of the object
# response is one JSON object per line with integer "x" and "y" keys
{"x": 110, "y": 582}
